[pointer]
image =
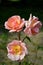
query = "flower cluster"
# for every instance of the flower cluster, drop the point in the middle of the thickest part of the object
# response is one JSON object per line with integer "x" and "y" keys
{"x": 17, "y": 49}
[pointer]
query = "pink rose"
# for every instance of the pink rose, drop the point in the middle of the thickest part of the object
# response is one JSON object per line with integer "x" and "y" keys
{"x": 32, "y": 26}
{"x": 14, "y": 23}
{"x": 16, "y": 50}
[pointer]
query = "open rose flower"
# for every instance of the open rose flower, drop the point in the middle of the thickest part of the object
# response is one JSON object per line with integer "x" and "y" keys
{"x": 16, "y": 50}
{"x": 14, "y": 23}
{"x": 32, "y": 26}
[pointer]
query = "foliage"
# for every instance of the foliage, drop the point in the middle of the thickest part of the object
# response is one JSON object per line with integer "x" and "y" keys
{"x": 35, "y": 49}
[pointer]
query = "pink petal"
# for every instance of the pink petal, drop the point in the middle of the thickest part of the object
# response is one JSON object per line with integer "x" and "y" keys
{"x": 27, "y": 31}
{"x": 22, "y": 56}
{"x": 13, "y": 57}
{"x": 12, "y": 30}
{"x": 36, "y": 29}
{"x": 39, "y": 25}
{"x": 35, "y": 18}
{"x": 36, "y": 23}
{"x": 30, "y": 18}
{"x": 6, "y": 25}
{"x": 22, "y": 24}
{"x": 18, "y": 30}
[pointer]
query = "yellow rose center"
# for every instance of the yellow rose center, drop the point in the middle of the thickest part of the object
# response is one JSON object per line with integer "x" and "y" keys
{"x": 17, "y": 49}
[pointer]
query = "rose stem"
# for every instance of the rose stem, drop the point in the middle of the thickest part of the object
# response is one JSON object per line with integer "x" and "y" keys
{"x": 19, "y": 35}
{"x": 19, "y": 39}
{"x": 24, "y": 39}
{"x": 19, "y": 62}
{"x": 27, "y": 38}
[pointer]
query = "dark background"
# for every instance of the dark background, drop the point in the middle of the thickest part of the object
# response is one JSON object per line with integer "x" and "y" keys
{"x": 21, "y": 4}
{"x": 22, "y": 8}
{"x": 24, "y": 3}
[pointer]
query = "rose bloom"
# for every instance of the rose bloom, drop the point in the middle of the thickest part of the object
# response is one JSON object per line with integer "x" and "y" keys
{"x": 16, "y": 50}
{"x": 14, "y": 23}
{"x": 32, "y": 26}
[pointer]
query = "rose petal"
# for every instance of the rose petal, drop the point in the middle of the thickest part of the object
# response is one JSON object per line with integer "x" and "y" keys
{"x": 27, "y": 31}
{"x": 12, "y": 30}
{"x": 22, "y": 56}
{"x": 13, "y": 57}
{"x": 36, "y": 29}
{"x": 10, "y": 56}
{"x": 36, "y": 23}
{"x": 35, "y": 18}
{"x": 22, "y": 24}
{"x": 6, "y": 25}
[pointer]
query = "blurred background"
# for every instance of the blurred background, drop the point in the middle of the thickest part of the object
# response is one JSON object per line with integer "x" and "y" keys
{"x": 25, "y": 3}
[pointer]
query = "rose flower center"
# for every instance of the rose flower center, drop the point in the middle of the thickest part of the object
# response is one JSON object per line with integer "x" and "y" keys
{"x": 17, "y": 49}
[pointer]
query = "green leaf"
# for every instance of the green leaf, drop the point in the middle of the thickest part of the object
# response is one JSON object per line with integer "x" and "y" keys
{"x": 28, "y": 38}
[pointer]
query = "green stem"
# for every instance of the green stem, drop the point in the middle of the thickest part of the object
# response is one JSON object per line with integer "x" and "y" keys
{"x": 27, "y": 38}
{"x": 19, "y": 35}
{"x": 24, "y": 38}
{"x": 19, "y": 39}
{"x": 20, "y": 63}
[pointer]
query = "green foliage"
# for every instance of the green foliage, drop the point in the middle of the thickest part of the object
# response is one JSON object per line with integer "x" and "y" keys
{"x": 38, "y": 39}
{"x": 35, "y": 49}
